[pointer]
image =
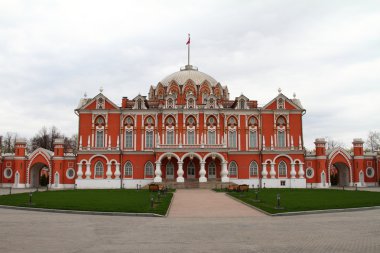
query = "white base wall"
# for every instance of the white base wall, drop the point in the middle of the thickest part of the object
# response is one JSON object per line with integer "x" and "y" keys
{"x": 317, "y": 185}
{"x": 62, "y": 186}
{"x": 289, "y": 183}
{"x": 110, "y": 183}
{"x": 250, "y": 182}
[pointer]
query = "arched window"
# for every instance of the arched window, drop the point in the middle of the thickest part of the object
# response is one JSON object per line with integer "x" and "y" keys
{"x": 280, "y": 103}
{"x": 128, "y": 169}
{"x": 128, "y": 139}
{"x": 253, "y": 169}
{"x": 232, "y": 169}
{"x": 281, "y": 130}
{"x": 99, "y": 125}
{"x": 252, "y": 139}
{"x": 139, "y": 104}
{"x": 242, "y": 104}
{"x": 282, "y": 169}
{"x": 170, "y": 137}
{"x": 169, "y": 170}
{"x": 190, "y": 103}
{"x": 190, "y": 137}
{"x": 211, "y": 137}
{"x": 99, "y": 169}
{"x": 212, "y": 170}
{"x": 149, "y": 139}
{"x": 148, "y": 169}
{"x": 232, "y": 121}
{"x": 232, "y": 139}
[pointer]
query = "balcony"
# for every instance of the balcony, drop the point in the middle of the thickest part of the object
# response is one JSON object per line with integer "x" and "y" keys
{"x": 190, "y": 146}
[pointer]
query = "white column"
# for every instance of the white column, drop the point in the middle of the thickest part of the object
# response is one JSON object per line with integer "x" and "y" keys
{"x": 158, "y": 173}
{"x": 224, "y": 173}
{"x": 80, "y": 172}
{"x": 271, "y": 142}
{"x": 301, "y": 173}
{"x": 88, "y": 143}
{"x": 117, "y": 170}
{"x": 80, "y": 142}
{"x": 264, "y": 172}
{"x": 272, "y": 172}
{"x": 293, "y": 170}
{"x": 202, "y": 173}
{"x": 292, "y": 143}
{"x": 180, "y": 173}
{"x": 109, "y": 172}
{"x": 88, "y": 170}
{"x": 300, "y": 143}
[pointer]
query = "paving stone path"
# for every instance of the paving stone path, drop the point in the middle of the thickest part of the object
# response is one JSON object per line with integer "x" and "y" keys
{"x": 198, "y": 203}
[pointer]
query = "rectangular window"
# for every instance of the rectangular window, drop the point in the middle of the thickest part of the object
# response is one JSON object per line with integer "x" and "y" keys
{"x": 149, "y": 139}
{"x": 232, "y": 139}
{"x": 252, "y": 140}
{"x": 283, "y": 182}
{"x": 281, "y": 139}
{"x": 211, "y": 137}
{"x": 190, "y": 137}
{"x": 170, "y": 137}
{"x": 99, "y": 139}
{"x": 129, "y": 139}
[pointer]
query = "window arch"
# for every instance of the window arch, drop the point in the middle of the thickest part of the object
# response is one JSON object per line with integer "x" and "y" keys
{"x": 190, "y": 122}
{"x": 232, "y": 169}
{"x": 281, "y": 132}
{"x": 148, "y": 169}
{"x": 99, "y": 169}
{"x": 99, "y": 126}
{"x": 232, "y": 121}
{"x": 253, "y": 169}
{"x": 282, "y": 169}
{"x": 128, "y": 169}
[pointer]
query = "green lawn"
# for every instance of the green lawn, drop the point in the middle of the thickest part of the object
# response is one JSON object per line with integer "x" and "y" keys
{"x": 309, "y": 199}
{"x": 129, "y": 201}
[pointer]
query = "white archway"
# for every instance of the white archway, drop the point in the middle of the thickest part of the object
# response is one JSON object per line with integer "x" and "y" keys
{"x": 165, "y": 155}
{"x": 345, "y": 155}
{"x": 213, "y": 154}
{"x": 190, "y": 155}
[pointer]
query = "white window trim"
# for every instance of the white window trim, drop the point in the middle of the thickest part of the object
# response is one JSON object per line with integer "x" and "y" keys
{"x": 257, "y": 169}
{"x": 286, "y": 170}
{"x": 373, "y": 172}
{"x": 312, "y": 174}
{"x": 128, "y": 176}
{"x": 67, "y": 173}
{"x": 5, "y": 173}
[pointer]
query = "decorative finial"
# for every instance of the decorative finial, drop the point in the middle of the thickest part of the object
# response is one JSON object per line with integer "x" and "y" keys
{"x": 279, "y": 90}
{"x": 85, "y": 95}
{"x": 101, "y": 89}
{"x": 294, "y": 95}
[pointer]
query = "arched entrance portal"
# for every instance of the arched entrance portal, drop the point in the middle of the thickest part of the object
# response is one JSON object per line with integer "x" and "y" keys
{"x": 39, "y": 175}
{"x": 339, "y": 174}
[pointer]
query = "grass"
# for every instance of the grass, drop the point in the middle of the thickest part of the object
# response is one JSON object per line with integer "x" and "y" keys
{"x": 294, "y": 200}
{"x": 128, "y": 201}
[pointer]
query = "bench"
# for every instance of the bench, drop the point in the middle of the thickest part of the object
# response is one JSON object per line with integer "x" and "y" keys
{"x": 154, "y": 187}
{"x": 243, "y": 188}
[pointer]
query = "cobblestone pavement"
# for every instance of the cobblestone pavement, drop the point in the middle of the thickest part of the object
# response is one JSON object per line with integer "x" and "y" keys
{"x": 29, "y": 231}
{"x": 207, "y": 203}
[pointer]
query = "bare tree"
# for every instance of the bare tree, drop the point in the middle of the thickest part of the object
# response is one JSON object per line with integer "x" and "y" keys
{"x": 9, "y": 141}
{"x": 45, "y": 139}
{"x": 373, "y": 141}
{"x": 331, "y": 143}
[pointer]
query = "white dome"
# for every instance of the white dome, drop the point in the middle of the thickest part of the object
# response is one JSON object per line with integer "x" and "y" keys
{"x": 188, "y": 73}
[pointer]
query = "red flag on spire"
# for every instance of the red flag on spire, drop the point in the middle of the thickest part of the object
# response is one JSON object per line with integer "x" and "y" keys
{"x": 188, "y": 41}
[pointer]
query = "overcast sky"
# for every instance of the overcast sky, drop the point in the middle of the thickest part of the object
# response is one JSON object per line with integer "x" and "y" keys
{"x": 328, "y": 52}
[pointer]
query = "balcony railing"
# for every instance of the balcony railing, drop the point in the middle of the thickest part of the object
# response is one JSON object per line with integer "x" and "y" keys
{"x": 190, "y": 146}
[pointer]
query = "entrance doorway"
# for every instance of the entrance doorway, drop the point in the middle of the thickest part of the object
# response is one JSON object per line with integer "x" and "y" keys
{"x": 191, "y": 169}
{"x": 340, "y": 175}
{"x": 212, "y": 170}
{"x": 39, "y": 175}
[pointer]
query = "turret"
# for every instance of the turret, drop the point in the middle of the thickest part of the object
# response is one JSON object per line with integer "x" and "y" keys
{"x": 58, "y": 147}
{"x": 320, "y": 147}
{"x": 20, "y": 147}
{"x": 358, "y": 146}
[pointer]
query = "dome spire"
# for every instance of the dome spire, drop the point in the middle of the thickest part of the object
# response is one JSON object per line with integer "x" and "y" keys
{"x": 188, "y": 66}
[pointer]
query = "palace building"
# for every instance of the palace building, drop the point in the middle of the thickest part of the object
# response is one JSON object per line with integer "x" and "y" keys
{"x": 188, "y": 129}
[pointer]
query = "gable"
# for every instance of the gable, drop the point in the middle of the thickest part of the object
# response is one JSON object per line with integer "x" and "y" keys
{"x": 289, "y": 105}
{"x": 92, "y": 104}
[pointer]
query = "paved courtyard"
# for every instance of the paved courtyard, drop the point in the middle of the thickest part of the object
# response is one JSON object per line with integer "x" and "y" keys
{"x": 207, "y": 203}
{"x": 29, "y": 231}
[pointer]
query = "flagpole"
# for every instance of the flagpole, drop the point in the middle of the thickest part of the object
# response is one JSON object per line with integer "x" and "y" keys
{"x": 188, "y": 52}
